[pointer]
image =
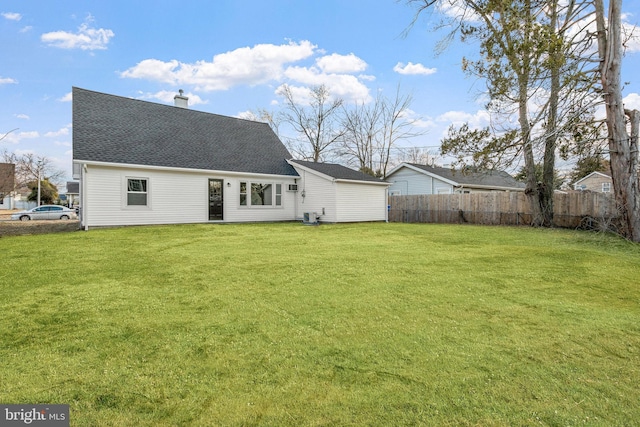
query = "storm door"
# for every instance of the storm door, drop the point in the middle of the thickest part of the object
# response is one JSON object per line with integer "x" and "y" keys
{"x": 215, "y": 199}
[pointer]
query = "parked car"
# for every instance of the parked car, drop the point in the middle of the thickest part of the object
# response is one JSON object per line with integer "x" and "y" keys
{"x": 45, "y": 212}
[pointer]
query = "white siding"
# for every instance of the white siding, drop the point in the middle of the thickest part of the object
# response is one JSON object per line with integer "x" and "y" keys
{"x": 409, "y": 182}
{"x": 361, "y": 202}
{"x": 320, "y": 196}
{"x": 173, "y": 198}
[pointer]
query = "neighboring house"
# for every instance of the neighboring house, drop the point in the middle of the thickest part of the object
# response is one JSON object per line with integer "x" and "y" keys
{"x": 412, "y": 178}
{"x": 595, "y": 181}
{"x": 339, "y": 194}
{"x": 139, "y": 162}
{"x": 7, "y": 185}
{"x": 73, "y": 193}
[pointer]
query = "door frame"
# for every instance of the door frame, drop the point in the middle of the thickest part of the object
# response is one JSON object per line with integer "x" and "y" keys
{"x": 210, "y": 209}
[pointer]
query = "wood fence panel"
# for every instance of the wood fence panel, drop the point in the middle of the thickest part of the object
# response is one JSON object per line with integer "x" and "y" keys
{"x": 575, "y": 209}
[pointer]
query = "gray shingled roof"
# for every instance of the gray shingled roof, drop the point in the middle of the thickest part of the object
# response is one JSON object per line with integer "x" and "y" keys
{"x": 484, "y": 178}
{"x": 114, "y": 129}
{"x": 337, "y": 171}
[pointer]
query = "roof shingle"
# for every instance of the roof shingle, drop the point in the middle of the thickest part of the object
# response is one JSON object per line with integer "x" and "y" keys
{"x": 114, "y": 129}
{"x": 337, "y": 171}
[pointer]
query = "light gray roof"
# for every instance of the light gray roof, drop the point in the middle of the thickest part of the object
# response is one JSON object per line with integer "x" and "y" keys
{"x": 337, "y": 171}
{"x": 114, "y": 129}
{"x": 484, "y": 178}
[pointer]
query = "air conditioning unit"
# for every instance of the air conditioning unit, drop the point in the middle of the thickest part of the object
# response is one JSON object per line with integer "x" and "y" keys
{"x": 310, "y": 218}
{"x": 292, "y": 187}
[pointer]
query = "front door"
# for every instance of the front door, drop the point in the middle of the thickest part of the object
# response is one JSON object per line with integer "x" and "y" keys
{"x": 215, "y": 199}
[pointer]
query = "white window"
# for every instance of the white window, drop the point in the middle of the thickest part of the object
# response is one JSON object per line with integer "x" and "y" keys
{"x": 137, "y": 192}
{"x": 260, "y": 194}
{"x": 606, "y": 187}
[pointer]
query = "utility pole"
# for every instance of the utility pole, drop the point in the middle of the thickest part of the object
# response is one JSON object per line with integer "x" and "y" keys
{"x": 39, "y": 179}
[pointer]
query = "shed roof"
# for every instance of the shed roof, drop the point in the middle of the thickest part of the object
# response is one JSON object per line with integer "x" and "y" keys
{"x": 337, "y": 171}
{"x": 114, "y": 129}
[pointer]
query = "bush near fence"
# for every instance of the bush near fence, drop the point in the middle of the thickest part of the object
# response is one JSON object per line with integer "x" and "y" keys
{"x": 588, "y": 210}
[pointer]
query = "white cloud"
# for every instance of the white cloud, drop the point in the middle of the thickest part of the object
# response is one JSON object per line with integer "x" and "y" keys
{"x": 336, "y": 63}
{"x": 26, "y": 29}
{"x": 60, "y": 132}
{"x": 632, "y": 101}
{"x": 167, "y": 96}
{"x": 86, "y": 38}
{"x": 68, "y": 97}
{"x": 261, "y": 64}
{"x": 632, "y": 44}
{"x": 477, "y": 120}
{"x": 345, "y": 86}
{"x": 248, "y": 65}
{"x": 413, "y": 69}
{"x": 22, "y": 116}
{"x": 12, "y": 16}
{"x": 18, "y": 137}
{"x": 7, "y": 80}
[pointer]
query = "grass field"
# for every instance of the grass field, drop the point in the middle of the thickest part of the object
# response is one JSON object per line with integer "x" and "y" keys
{"x": 283, "y": 324}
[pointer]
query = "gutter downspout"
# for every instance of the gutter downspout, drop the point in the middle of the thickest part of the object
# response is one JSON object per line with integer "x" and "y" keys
{"x": 83, "y": 198}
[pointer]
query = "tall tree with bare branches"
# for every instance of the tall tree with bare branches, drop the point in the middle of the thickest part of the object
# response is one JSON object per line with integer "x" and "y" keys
{"x": 315, "y": 118}
{"x": 622, "y": 124}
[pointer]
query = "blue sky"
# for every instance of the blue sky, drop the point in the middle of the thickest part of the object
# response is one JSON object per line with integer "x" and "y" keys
{"x": 229, "y": 57}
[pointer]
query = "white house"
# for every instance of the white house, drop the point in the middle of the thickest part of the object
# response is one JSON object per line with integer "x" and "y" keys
{"x": 412, "y": 178}
{"x": 139, "y": 162}
{"x": 339, "y": 194}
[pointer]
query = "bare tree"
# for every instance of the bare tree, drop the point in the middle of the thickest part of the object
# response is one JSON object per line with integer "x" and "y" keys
{"x": 30, "y": 166}
{"x": 622, "y": 135}
{"x": 273, "y": 119}
{"x": 372, "y": 131}
{"x": 362, "y": 134}
{"x": 316, "y": 122}
{"x": 397, "y": 126}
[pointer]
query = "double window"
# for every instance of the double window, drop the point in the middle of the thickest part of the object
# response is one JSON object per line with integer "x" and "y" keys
{"x": 137, "y": 192}
{"x": 260, "y": 194}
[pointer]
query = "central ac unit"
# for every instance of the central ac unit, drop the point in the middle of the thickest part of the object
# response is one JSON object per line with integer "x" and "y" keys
{"x": 310, "y": 218}
{"x": 292, "y": 187}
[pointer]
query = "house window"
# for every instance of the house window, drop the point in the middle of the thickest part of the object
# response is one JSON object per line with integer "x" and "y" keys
{"x": 137, "y": 191}
{"x": 243, "y": 194}
{"x": 606, "y": 187}
{"x": 278, "y": 194}
{"x": 260, "y": 194}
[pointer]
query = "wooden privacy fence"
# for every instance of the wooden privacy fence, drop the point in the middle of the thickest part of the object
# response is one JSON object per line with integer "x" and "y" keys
{"x": 571, "y": 210}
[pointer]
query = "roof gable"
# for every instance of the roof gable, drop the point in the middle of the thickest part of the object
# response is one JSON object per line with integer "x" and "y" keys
{"x": 336, "y": 171}
{"x": 591, "y": 175}
{"x": 114, "y": 129}
{"x": 496, "y": 179}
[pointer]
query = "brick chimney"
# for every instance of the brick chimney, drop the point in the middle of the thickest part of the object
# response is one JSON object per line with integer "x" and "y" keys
{"x": 181, "y": 100}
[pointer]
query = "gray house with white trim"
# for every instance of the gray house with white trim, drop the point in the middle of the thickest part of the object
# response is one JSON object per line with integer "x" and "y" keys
{"x": 412, "y": 178}
{"x": 139, "y": 162}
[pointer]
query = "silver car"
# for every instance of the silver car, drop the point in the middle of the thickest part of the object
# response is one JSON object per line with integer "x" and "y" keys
{"x": 45, "y": 212}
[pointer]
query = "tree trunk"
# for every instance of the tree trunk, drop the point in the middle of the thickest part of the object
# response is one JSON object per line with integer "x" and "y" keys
{"x": 623, "y": 150}
{"x": 549, "y": 163}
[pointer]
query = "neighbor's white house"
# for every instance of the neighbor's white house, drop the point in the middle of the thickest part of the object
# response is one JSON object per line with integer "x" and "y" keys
{"x": 413, "y": 179}
{"x": 139, "y": 163}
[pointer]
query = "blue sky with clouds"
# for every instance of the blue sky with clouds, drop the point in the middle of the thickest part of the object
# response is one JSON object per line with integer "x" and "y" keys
{"x": 229, "y": 57}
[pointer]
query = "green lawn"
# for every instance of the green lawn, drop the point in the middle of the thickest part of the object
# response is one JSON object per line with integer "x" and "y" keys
{"x": 285, "y": 324}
